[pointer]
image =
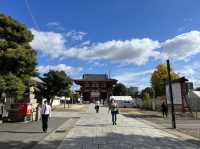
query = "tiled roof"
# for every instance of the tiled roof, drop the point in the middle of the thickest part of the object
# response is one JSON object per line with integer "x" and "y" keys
{"x": 95, "y": 77}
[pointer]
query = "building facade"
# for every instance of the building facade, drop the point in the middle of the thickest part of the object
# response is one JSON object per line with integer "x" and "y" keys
{"x": 95, "y": 87}
{"x": 180, "y": 91}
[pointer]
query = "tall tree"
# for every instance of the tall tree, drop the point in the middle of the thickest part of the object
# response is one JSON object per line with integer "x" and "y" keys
{"x": 2, "y": 84}
{"x": 14, "y": 86}
{"x": 57, "y": 84}
{"x": 17, "y": 58}
{"x": 147, "y": 95}
{"x": 132, "y": 91}
{"x": 120, "y": 90}
{"x": 149, "y": 91}
{"x": 159, "y": 77}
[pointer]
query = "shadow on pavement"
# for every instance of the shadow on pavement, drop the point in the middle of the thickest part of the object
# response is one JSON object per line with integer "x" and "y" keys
{"x": 27, "y": 135}
{"x": 17, "y": 144}
{"x": 94, "y": 125}
{"x": 142, "y": 116}
{"x": 120, "y": 141}
{"x": 29, "y": 132}
{"x": 29, "y": 145}
{"x": 110, "y": 141}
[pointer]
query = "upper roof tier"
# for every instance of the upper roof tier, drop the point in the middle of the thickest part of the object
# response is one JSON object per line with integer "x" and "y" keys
{"x": 95, "y": 77}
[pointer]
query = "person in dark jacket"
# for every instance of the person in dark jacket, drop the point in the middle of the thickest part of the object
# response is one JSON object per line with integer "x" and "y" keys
{"x": 164, "y": 109}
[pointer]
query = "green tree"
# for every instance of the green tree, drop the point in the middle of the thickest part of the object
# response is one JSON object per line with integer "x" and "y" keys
{"x": 149, "y": 91}
{"x": 2, "y": 84}
{"x": 132, "y": 91}
{"x": 159, "y": 78}
{"x": 14, "y": 86}
{"x": 16, "y": 55}
{"x": 120, "y": 90}
{"x": 75, "y": 96}
{"x": 17, "y": 58}
{"x": 147, "y": 95}
{"x": 146, "y": 100}
{"x": 57, "y": 84}
{"x": 13, "y": 32}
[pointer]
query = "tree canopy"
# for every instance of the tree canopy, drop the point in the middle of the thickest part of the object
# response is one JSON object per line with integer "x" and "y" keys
{"x": 16, "y": 54}
{"x": 149, "y": 91}
{"x": 13, "y": 31}
{"x": 159, "y": 78}
{"x": 17, "y": 58}
{"x": 132, "y": 91}
{"x": 120, "y": 90}
{"x": 57, "y": 84}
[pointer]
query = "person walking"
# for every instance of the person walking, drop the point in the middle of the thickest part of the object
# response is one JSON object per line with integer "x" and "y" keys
{"x": 45, "y": 114}
{"x": 164, "y": 109}
{"x": 114, "y": 111}
{"x": 97, "y": 104}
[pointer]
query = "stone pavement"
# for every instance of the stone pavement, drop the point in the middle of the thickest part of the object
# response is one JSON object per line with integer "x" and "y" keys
{"x": 184, "y": 122}
{"x": 26, "y": 135}
{"x": 95, "y": 131}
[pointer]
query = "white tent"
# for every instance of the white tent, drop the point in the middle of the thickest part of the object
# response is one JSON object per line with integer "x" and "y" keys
{"x": 194, "y": 100}
{"x": 124, "y": 101}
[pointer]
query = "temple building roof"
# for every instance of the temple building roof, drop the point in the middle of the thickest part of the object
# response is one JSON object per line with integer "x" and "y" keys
{"x": 179, "y": 80}
{"x": 95, "y": 77}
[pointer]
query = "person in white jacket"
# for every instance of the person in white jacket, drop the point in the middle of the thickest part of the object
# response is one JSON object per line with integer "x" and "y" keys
{"x": 45, "y": 114}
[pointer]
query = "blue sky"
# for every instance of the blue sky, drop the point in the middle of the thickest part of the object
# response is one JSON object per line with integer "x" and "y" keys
{"x": 127, "y": 38}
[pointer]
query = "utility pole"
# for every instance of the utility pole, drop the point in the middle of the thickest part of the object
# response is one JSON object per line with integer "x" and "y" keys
{"x": 171, "y": 96}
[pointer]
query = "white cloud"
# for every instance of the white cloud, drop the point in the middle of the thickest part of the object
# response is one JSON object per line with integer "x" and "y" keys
{"x": 140, "y": 79}
{"x": 99, "y": 64}
{"x": 133, "y": 51}
{"x": 59, "y": 67}
{"x": 53, "y": 24}
{"x": 75, "y": 36}
{"x": 85, "y": 43}
{"x": 182, "y": 47}
{"x": 51, "y": 43}
{"x": 136, "y": 51}
{"x": 191, "y": 72}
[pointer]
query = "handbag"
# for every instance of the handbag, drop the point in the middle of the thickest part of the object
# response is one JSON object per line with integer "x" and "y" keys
{"x": 117, "y": 111}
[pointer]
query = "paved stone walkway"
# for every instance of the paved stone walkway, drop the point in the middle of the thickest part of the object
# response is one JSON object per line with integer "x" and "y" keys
{"x": 95, "y": 131}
